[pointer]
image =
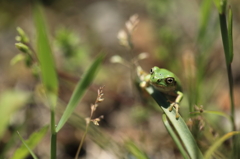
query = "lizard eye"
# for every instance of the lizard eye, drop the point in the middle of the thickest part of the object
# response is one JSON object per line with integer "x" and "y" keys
{"x": 170, "y": 80}
{"x": 151, "y": 71}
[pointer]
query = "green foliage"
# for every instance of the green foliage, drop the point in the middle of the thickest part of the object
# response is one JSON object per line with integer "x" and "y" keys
{"x": 80, "y": 90}
{"x": 213, "y": 113}
{"x": 219, "y": 143}
{"x": 22, "y": 47}
{"x": 134, "y": 150}
{"x": 174, "y": 136}
{"x": 30, "y": 144}
{"x": 10, "y": 102}
{"x": 23, "y": 38}
{"x": 227, "y": 40}
{"x": 72, "y": 48}
{"x": 48, "y": 72}
{"x": 230, "y": 37}
{"x": 67, "y": 41}
{"x": 17, "y": 58}
{"x": 205, "y": 38}
{"x": 44, "y": 52}
{"x": 227, "y": 45}
{"x": 221, "y": 5}
{"x": 179, "y": 125}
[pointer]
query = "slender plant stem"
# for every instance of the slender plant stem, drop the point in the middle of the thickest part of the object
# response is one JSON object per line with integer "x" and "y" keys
{"x": 89, "y": 120}
{"x": 228, "y": 50}
{"x": 53, "y": 146}
{"x": 224, "y": 32}
{"x": 82, "y": 140}
{"x": 230, "y": 79}
{"x": 53, "y": 136}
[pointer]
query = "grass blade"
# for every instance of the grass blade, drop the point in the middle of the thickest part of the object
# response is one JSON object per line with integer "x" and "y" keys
{"x": 80, "y": 90}
{"x": 48, "y": 72}
{"x": 204, "y": 19}
{"x": 213, "y": 113}
{"x": 29, "y": 144}
{"x": 174, "y": 136}
{"x": 179, "y": 125}
{"x": 218, "y": 143}
{"x": 28, "y": 148}
{"x": 221, "y": 5}
{"x": 225, "y": 39}
{"x": 230, "y": 37}
{"x": 44, "y": 52}
{"x": 226, "y": 33}
{"x": 134, "y": 150}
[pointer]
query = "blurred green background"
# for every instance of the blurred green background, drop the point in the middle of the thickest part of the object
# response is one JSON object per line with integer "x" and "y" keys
{"x": 182, "y": 36}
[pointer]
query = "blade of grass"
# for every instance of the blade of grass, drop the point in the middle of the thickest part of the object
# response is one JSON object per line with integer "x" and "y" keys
{"x": 28, "y": 148}
{"x": 44, "y": 52}
{"x": 236, "y": 139}
{"x": 80, "y": 90}
{"x": 179, "y": 125}
{"x": 29, "y": 144}
{"x": 230, "y": 37}
{"x": 134, "y": 150}
{"x": 226, "y": 33}
{"x": 214, "y": 113}
{"x": 204, "y": 19}
{"x": 221, "y": 5}
{"x": 218, "y": 143}
{"x": 174, "y": 136}
{"x": 229, "y": 55}
{"x": 48, "y": 72}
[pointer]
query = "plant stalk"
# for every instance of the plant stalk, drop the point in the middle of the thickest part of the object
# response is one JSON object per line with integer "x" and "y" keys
{"x": 53, "y": 136}
{"x": 225, "y": 40}
{"x": 82, "y": 140}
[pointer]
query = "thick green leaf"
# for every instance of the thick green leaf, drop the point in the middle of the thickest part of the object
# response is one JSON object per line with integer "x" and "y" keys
{"x": 179, "y": 125}
{"x": 174, "y": 136}
{"x": 218, "y": 143}
{"x": 44, "y": 52}
{"x": 80, "y": 90}
{"x": 29, "y": 144}
{"x": 10, "y": 101}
